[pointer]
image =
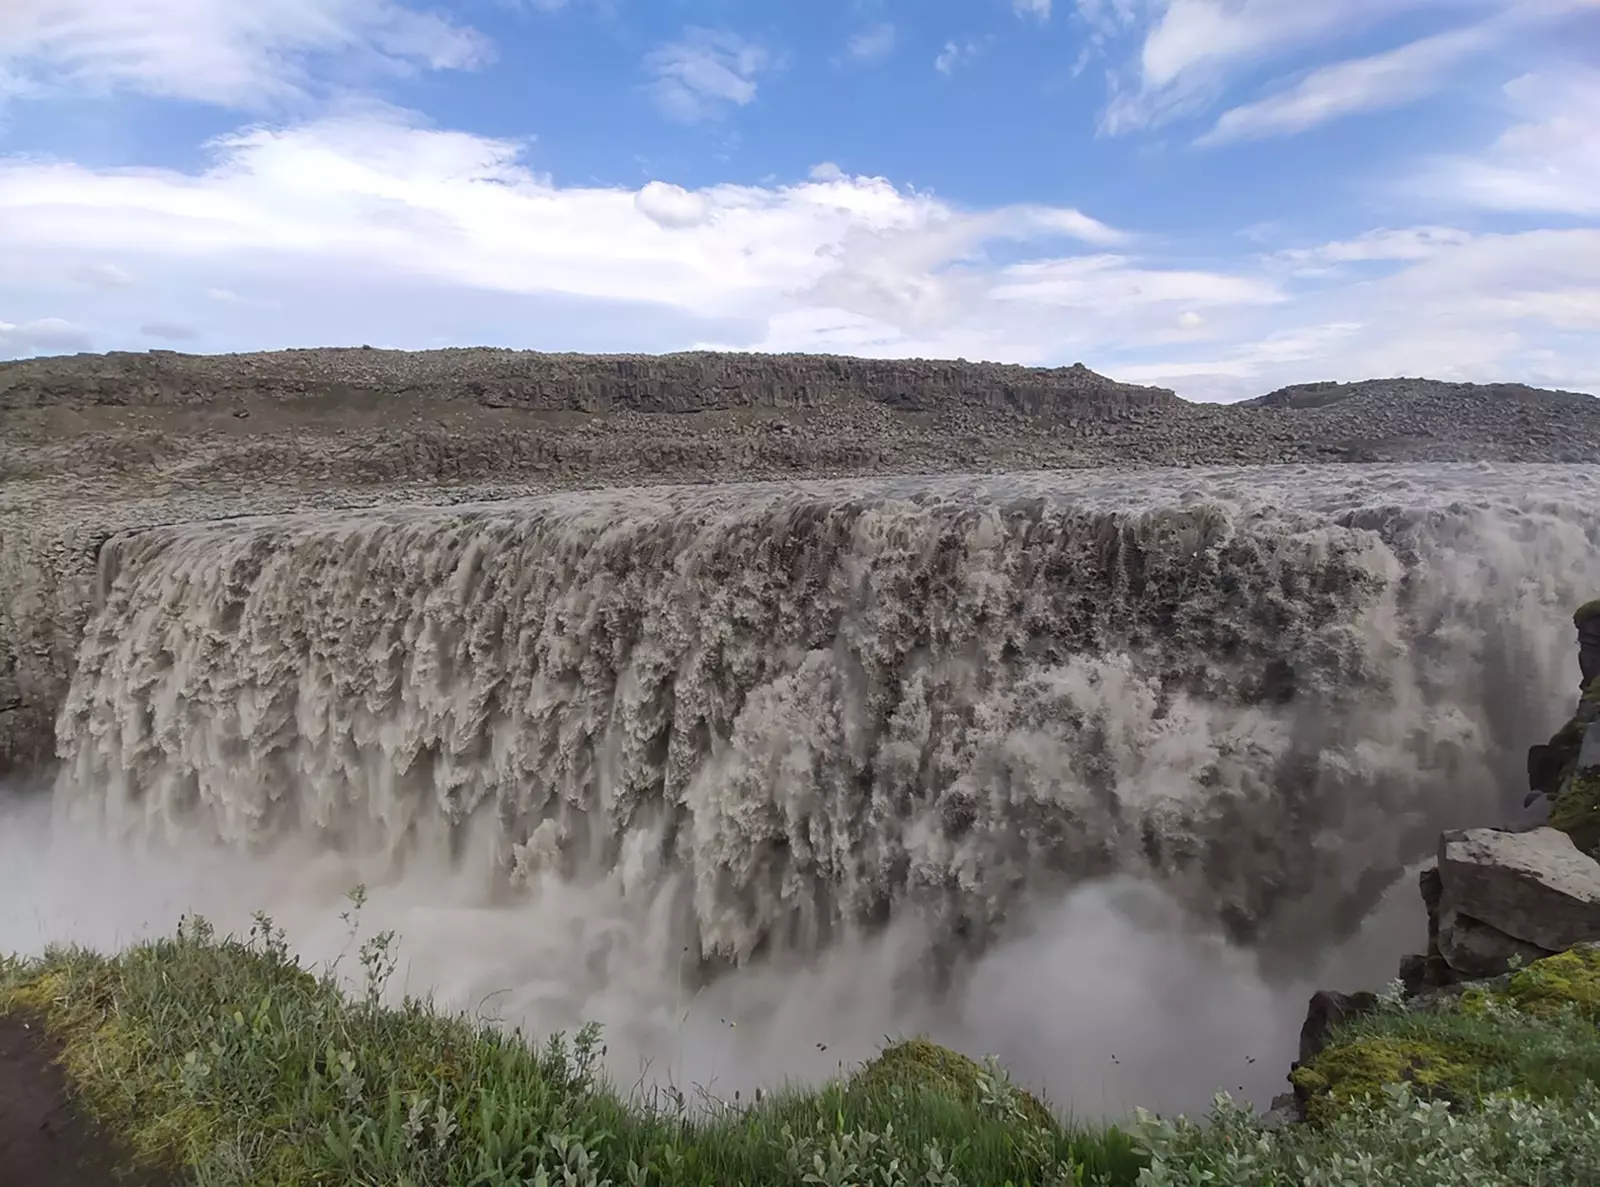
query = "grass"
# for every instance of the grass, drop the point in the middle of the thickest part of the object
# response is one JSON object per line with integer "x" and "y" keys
{"x": 224, "y": 1057}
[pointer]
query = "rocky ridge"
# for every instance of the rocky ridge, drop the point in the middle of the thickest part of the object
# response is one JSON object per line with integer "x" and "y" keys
{"x": 1513, "y": 921}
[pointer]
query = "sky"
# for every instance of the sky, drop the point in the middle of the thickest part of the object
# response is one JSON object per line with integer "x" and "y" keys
{"x": 1217, "y": 196}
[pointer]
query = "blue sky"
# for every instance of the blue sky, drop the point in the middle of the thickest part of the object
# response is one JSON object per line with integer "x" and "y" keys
{"x": 1220, "y": 196}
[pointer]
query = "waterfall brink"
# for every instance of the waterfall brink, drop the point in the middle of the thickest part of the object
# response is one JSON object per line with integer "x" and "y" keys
{"x": 777, "y": 714}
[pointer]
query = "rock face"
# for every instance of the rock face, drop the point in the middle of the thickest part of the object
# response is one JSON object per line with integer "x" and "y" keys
{"x": 1587, "y": 620}
{"x": 1535, "y": 887}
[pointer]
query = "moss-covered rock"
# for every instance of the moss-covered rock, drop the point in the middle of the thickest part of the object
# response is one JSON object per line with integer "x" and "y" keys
{"x": 917, "y": 1064}
{"x": 1568, "y": 978}
{"x": 1361, "y": 1067}
{"x": 1576, "y": 811}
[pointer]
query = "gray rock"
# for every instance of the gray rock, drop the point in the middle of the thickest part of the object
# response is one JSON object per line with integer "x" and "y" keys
{"x": 1532, "y": 886}
{"x": 1327, "y": 1010}
{"x": 1589, "y": 752}
{"x": 1474, "y": 949}
{"x": 1284, "y": 1111}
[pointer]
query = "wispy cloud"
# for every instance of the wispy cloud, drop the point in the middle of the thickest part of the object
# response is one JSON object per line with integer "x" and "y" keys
{"x": 1380, "y": 245}
{"x": 42, "y": 335}
{"x": 1346, "y": 88}
{"x": 872, "y": 44}
{"x": 247, "y": 55}
{"x": 705, "y": 73}
{"x": 1039, "y": 9}
{"x": 1548, "y": 161}
{"x": 168, "y": 331}
{"x": 1189, "y": 51}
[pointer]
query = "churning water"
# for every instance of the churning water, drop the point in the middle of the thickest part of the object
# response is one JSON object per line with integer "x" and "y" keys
{"x": 1100, "y": 773}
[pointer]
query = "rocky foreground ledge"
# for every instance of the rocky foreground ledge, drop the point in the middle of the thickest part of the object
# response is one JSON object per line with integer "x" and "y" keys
{"x": 1513, "y": 927}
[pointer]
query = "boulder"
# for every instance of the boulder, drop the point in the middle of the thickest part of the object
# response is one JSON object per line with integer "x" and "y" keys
{"x": 1326, "y": 1011}
{"x": 1533, "y": 886}
{"x": 1474, "y": 949}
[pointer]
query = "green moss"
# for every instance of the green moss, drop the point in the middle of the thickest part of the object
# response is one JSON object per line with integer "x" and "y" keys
{"x": 1570, "y": 736}
{"x": 916, "y": 1065}
{"x": 1585, "y": 612}
{"x": 1571, "y": 977}
{"x": 1576, "y": 811}
{"x": 1360, "y": 1067}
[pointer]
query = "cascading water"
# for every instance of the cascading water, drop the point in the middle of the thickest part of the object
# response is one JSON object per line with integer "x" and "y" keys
{"x": 767, "y": 723}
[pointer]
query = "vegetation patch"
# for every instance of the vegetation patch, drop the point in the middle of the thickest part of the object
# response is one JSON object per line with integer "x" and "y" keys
{"x": 225, "y": 1059}
{"x": 1530, "y": 1034}
{"x": 1568, "y": 980}
{"x": 1362, "y": 1066}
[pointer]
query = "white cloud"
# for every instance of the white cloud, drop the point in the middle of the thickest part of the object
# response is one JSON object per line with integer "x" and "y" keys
{"x": 1549, "y": 161}
{"x": 1512, "y": 306}
{"x": 705, "y": 73}
{"x": 1113, "y": 284}
{"x": 1380, "y": 245}
{"x": 106, "y": 276}
{"x": 1346, "y": 88}
{"x": 371, "y": 228}
{"x": 872, "y": 44}
{"x": 956, "y": 53}
{"x": 45, "y": 335}
{"x": 1039, "y": 9}
{"x": 1191, "y": 49}
{"x": 670, "y": 205}
{"x": 216, "y": 51}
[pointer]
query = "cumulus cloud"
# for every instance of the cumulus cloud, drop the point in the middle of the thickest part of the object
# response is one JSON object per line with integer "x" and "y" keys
{"x": 217, "y": 51}
{"x": 671, "y": 205}
{"x": 373, "y": 227}
{"x": 705, "y": 74}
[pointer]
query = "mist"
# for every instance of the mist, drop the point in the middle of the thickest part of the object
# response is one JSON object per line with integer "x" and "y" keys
{"x": 1104, "y": 997}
